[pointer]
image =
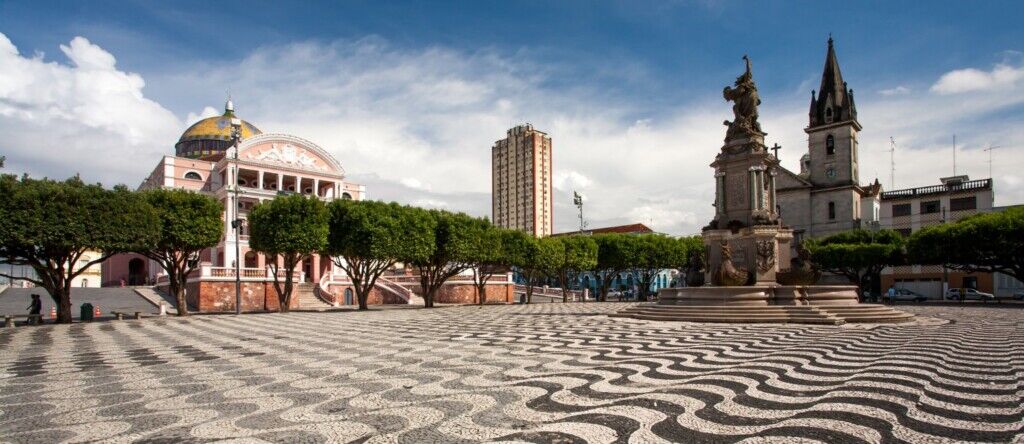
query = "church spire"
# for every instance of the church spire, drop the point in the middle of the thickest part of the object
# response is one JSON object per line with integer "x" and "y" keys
{"x": 834, "y": 103}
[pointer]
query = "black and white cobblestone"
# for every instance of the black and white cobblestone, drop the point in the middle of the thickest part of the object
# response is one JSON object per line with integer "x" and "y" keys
{"x": 540, "y": 373}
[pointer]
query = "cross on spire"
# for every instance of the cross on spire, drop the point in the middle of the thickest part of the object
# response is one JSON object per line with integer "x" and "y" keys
{"x": 776, "y": 148}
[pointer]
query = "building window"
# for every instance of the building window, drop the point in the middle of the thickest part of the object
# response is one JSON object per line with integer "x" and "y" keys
{"x": 831, "y": 211}
{"x": 830, "y": 145}
{"x": 828, "y": 115}
{"x": 192, "y": 175}
{"x": 963, "y": 203}
{"x": 930, "y": 207}
{"x": 346, "y": 196}
{"x": 901, "y": 210}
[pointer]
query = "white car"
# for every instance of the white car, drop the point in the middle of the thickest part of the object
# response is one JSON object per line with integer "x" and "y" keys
{"x": 969, "y": 293}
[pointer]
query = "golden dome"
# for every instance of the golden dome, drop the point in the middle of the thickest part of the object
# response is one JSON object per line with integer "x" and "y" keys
{"x": 217, "y": 128}
{"x": 212, "y": 135}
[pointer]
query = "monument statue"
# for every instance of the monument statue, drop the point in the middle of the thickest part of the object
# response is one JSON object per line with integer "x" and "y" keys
{"x": 726, "y": 274}
{"x": 745, "y": 100}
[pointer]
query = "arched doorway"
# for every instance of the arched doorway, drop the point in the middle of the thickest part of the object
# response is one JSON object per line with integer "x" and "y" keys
{"x": 348, "y": 296}
{"x": 250, "y": 259}
{"x": 136, "y": 272}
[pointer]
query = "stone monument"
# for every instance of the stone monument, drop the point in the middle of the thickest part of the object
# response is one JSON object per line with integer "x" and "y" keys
{"x": 748, "y": 246}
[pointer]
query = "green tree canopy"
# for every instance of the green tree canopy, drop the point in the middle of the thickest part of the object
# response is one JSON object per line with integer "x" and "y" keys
{"x": 452, "y": 253}
{"x": 858, "y": 253}
{"x": 486, "y": 256}
{"x": 653, "y": 253}
{"x": 543, "y": 258}
{"x": 989, "y": 242}
{"x": 189, "y": 223}
{"x": 368, "y": 237}
{"x": 616, "y": 253}
{"x": 293, "y": 228}
{"x": 579, "y": 253}
{"x": 48, "y": 225}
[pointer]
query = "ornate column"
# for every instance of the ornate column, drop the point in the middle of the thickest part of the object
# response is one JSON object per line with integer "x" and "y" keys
{"x": 771, "y": 189}
{"x": 316, "y": 187}
{"x": 259, "y": 180}
{"x": 753, "y": 188}
{"x": 719, "y": 192}
{"x": 280, "y": 182}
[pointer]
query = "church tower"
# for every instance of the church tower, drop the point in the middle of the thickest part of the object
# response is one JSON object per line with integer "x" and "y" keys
{"x": 832, "y": 130}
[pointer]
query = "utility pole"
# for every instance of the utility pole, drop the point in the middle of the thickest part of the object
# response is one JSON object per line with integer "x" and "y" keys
{"x": 892, "y": 162}
{"x": 236, "y": 136}
{"x": 578, "y": 201}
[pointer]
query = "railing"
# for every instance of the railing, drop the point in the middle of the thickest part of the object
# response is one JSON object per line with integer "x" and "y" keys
{"x": 500, "y": 278}
{"x": 322, "y": 292}
{"x": 969, "y": 185}
{"x": 548, "y": 292}
{"x": 396, "y": 288}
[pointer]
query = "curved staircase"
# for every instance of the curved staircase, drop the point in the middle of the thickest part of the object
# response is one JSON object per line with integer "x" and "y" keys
{"x": 305, "y": 295}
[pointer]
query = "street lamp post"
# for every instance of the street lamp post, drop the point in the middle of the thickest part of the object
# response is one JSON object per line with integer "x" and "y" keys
{"x": 236, "y": 223}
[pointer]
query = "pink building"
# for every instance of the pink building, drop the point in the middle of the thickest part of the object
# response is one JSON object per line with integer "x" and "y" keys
{"x": 266, "y": 165}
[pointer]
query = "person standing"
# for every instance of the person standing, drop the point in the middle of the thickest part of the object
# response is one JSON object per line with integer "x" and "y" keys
{"x": 35, "y": 308}
{"x": 892, "y": 295}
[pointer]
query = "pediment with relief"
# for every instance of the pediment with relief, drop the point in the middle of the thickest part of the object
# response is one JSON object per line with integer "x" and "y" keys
{"x": 286, "y": 154}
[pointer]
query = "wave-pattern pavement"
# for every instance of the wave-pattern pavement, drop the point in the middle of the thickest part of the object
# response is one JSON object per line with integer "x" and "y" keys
{"x": 539, "y": 373}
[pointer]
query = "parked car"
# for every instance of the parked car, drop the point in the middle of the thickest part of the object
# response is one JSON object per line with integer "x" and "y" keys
{"x": 969, "y": 294}
{"x": 1019, "y": 295}
{"x": 902, "y": 294}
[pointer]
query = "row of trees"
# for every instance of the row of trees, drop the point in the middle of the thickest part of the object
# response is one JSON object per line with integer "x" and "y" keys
{"x": 367, "y": 238}
{"x": 988, "y": 242}
{"x": 50, "y": 225}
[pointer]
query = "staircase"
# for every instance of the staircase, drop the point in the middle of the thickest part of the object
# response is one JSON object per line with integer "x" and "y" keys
{"x": 780, "y": 314}
{"x": 156, "y": 298}
{"x": 393, "y": 287}
{"x": 304, "y": 294}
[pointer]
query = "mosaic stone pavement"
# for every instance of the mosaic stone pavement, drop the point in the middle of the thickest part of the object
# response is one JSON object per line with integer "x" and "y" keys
{"x": 540, "y": 373}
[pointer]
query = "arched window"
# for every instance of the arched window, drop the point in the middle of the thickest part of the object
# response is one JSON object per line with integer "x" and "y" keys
{"x": 828, "y": 115}
{"x": 192, "y": 175}
{"x": 830, "y": 145}
{"x": 346, "y": 196}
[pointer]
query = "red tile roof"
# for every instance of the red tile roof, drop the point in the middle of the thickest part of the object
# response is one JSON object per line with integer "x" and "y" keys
{"x": 626, "y": 229}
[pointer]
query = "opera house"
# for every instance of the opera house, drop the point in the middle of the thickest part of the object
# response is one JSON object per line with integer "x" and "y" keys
{"x": 266, "y": 165}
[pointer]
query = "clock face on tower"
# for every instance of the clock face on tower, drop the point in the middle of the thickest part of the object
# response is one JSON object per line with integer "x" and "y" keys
{"x": 830, "y": 173}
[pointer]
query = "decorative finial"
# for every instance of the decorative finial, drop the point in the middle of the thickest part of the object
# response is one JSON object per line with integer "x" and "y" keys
{"x": 229, "y": 107}
{"x": 830, "y": 39}
{"x": 813, "y": 95}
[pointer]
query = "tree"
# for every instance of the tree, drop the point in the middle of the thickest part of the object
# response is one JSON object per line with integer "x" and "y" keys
{"x": 292, "y": 227}
{"x": 692, "y": 263}
{"x": 989, "y": 242}
{"x": 486, "y": 256}
{"x": 49, "y": 225}
{"x": 189, "y": 222}
{"x": 858, "y": 254}
{"x": 615, "y": 254}
{"x": 653, "y": 253}
{"x": 452, "y": 252}
{"x": 542, "y": 259}
{"x": 579, "y": 253}
{"x": 367, "y": 238}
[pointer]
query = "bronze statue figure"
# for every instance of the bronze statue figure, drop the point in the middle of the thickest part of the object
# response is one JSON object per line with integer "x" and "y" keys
{"x": 727, "y": 275}
{"x": 745, "y": 101}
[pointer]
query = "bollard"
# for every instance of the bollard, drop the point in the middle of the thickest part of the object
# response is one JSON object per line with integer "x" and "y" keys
{"x": 9, "y": 321}
{"x": 163, "y": 308}
{"x": 138, "y": 315}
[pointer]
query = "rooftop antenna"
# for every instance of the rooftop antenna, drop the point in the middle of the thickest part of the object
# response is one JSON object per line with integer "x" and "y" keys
{"x": 892, "y": 162}
{"x": 990, "y": 149}
{"x": 954, "y": 154}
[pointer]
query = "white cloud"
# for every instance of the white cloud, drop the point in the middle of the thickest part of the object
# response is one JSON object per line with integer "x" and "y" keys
{"x": 86, "y": 116}
{"x": 971, "y": 79}
{"x": 417, "y": 125}
{"x": 897, "y": 91}
{"x": 207, "y": 111}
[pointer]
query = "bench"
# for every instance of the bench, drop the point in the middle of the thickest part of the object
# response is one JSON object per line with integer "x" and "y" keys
{"x": 119, "y": 315}
{"x": 32, "y": 319}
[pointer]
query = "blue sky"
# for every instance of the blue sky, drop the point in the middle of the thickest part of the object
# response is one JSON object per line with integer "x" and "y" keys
{"x": 613, "y": 82}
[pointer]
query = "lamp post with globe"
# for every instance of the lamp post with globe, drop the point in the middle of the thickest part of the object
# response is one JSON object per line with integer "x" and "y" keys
{"x": 236, "y": 223}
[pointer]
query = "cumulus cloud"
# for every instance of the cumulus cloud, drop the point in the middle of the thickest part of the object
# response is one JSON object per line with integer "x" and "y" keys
{"x": 416, "y": 125}
{"x": 971, "y": 79}
{"x": 59, "y": 119}
{"x": 208, "y": 111}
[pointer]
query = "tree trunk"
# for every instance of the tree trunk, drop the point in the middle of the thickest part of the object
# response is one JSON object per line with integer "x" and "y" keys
{"x": 62, "y": 296}
{"x": 563, "y": 281}
{"x": 176, "y": 284}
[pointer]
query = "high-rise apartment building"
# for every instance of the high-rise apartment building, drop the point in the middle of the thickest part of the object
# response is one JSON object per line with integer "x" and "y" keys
{"x": 521, "y": 181}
